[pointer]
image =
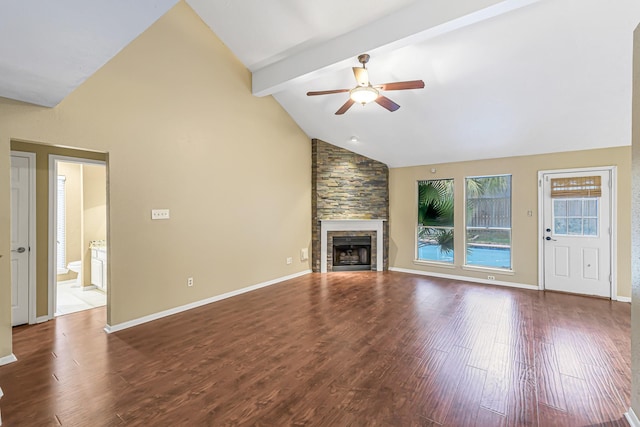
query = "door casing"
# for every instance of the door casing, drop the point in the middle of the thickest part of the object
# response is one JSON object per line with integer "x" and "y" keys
{"x": 613, "y": 172}
{"x": 32, "y": 233}
{"x": 53, "y": 219}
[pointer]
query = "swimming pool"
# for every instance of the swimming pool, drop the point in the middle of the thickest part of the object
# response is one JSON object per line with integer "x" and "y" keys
{"x": 481, "y": 256}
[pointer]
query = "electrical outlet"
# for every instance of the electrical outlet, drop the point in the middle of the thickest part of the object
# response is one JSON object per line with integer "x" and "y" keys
{"x": 289, "y": 260}
{"x": 190, "y": 281}
{"x": 491, "y": 277}
{"x": 159, "y": 213}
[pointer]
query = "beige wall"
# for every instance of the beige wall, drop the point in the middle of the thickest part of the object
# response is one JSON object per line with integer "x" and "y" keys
{"x": 73, "y": 204}
{"x": 524, "y": 170}
{"x": 635, "y": 251}
{"x": 175, "y": 113}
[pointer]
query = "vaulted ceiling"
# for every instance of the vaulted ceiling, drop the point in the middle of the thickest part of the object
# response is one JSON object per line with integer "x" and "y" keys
{"x": 503, "y": 78}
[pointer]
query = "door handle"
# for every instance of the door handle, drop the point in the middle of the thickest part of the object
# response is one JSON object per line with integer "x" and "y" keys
{"x": 549, "y": 238}
{"x": 19, "y": 250}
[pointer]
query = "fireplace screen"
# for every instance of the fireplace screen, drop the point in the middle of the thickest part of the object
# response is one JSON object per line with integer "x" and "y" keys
{"x": 352, "y": 253}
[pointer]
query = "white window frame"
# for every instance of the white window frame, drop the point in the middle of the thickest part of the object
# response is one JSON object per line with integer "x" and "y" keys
{"x": 466, "y": 266}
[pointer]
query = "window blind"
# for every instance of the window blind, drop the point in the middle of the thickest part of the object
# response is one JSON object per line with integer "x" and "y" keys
{"x": 583, "y": 186}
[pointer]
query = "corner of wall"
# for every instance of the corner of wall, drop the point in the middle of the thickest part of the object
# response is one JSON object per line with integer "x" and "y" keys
{"x": 635, "y": 230}
{"x": 346, "y": 185}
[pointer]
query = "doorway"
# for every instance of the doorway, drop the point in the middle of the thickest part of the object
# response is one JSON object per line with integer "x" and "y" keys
{"x": 77, "y": 234}
{"x": 23, "y": 238}
{"x": 577, "y": 231}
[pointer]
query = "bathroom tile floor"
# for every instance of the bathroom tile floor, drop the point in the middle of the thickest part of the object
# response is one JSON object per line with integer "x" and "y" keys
{"x": 72, "y": 299}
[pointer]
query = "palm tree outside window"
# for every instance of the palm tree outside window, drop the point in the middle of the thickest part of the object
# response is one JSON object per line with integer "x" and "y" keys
{"x": 435, "y": 221}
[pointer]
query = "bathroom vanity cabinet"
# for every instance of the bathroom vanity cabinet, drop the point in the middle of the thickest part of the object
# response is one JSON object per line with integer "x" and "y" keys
{"x": 99, "y": 267}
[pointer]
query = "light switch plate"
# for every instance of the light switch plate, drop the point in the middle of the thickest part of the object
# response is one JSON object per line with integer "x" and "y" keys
{"x": 159, "y": 213}
{"x": 304, "y": 254}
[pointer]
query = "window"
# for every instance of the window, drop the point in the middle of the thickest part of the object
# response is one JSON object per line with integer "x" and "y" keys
{"x": 488, "y": 227}
{"x": 61, "y": 232}
{"x": 575, "y": 217}
{"x": 435, "y": 220}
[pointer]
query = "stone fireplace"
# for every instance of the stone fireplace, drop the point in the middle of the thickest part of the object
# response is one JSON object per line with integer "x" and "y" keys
{"x": 350, "y": 198}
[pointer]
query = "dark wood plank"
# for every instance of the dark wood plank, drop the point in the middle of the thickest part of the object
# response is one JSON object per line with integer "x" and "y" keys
{"x": 523, "y": 404}
{"x": 466, "y": 403}
{"x": 496, "y": 390}
{"x": 338, "y": 349}
{"x": 550, "y": 389}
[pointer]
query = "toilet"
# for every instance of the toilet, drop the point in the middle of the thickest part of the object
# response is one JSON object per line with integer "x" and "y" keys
{"x": 76, "y": 266}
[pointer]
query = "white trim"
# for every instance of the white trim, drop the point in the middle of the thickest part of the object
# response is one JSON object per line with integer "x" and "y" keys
{"x": 32, "y": 232}
{"x": 632, "y": 418}
{"x": 493, "y": 270}
{"x": 613, "y": 201}
{"x": 613, "y": 221}
{"x": 352, "y": 225}
{"x": 155, "y": 316}
{"x": 8, "y": 359}
{"x": 465, "y": 278}
{"x": 52, "y": 268}
{"x": 434, "y": 263}
{"x": 53, "y": 178}
{"x": 42, "y": 319}
{"x": 622, "y": 299}
{"x": 540, "y": 230}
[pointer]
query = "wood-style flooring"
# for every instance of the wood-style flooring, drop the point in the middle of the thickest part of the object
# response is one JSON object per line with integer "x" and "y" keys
{"x": 340, "y": 349}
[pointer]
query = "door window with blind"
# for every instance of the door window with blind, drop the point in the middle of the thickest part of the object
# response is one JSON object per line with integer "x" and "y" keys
{"x": 575, "y": 205}
{"x": 435, "y": 221}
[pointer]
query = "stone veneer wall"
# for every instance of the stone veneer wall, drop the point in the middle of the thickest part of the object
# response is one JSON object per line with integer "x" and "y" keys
{"x": 346, "y": 185}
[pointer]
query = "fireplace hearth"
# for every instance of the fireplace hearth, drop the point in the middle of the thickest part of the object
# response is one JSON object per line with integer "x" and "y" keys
{"x": 351, "y": 253}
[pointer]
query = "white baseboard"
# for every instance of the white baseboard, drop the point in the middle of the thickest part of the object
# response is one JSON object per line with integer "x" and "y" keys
{"x": 8, "y": 359}
{"x": 483, "y": 281}
{"x": 632, "y": 418}
{"x": 139, "y": 321}
{"x": 465, "y": 278}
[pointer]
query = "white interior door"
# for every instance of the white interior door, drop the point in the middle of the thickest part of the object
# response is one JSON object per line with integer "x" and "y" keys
{"x": 577, "y": 232}
{"x": 20, "y": 187}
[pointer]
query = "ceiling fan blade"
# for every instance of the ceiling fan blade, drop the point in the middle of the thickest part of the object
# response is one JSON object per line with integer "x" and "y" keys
{"x": 387, "y": 103}
{"x": 413, "y": 84}
{"x": 345, "y": 107}
{"x": 362, "y": 76}
{"x": 327, "y": 92}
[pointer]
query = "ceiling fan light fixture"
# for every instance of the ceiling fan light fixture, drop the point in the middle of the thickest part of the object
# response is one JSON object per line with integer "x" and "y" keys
{"x": 363, "y": 94}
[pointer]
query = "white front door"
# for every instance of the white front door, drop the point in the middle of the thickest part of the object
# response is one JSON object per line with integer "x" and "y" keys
{"x": 577, "y": 232}
{"x": 20, "y": 187}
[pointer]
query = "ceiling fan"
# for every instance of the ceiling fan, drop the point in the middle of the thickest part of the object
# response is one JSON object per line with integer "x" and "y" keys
{"x": 365, "y": 92}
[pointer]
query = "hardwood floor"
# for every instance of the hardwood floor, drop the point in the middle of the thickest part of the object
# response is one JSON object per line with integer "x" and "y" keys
{"x": 342, "y": 349}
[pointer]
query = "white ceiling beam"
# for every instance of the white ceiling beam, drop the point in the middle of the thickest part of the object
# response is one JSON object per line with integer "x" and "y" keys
{"x": 418, "y": 22}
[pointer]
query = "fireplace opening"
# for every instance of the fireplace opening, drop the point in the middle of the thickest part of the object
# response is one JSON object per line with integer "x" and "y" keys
{"x": 351, "y": 253}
